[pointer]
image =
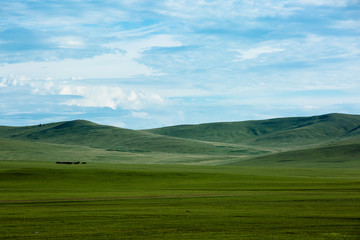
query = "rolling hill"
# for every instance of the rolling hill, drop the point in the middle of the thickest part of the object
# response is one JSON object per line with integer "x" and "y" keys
{"x": 295, "y": 132}
{"x": 85, "y": 133}
{"x": 331, "y": 139}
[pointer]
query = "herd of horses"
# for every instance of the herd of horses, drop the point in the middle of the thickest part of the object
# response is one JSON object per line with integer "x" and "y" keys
{"x": 69, "y": 163}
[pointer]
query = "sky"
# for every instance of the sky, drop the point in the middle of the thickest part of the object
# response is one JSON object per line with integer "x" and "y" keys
{"x": 143, "y": 64}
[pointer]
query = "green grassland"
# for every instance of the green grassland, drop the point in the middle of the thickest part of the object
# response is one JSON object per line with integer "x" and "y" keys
{"x": 42, "y": 200}
{"x": 290, "y": 178}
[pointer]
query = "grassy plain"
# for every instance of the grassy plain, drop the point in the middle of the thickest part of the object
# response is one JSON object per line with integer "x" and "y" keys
{"x": 291, "y": 178}
{"x": 42, "y": 200}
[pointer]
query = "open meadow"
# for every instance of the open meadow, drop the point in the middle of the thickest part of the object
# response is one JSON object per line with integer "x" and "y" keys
{"x": 42, "y": 200}
{"x": 292, "y": 178}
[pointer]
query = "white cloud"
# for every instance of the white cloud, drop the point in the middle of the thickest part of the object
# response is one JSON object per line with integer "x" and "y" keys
{"x": 310, "y": 50}
{"x": 256, "y": 52}
{"x": 66, "y": 14}
{"x": 83, "y": 95}
{"x": 310, "y": 107}
{"x": 137, "y": 32}
{"x": 331, "y": 3}
{"x": 348, "y": 24}
{"x": 142, "y": 115}
{"x": 110, "y": 65}
{"x": 134, "y": 48}
{"x": 68, "y": 42}
{"x": 188, "y": 9}
{"x": 14, "y": 80}
{"x": 112, "y": 97}
{"x": 3, "y": 82}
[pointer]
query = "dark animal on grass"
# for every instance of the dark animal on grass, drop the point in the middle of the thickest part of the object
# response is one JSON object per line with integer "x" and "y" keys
{"x": 70, "y": 163}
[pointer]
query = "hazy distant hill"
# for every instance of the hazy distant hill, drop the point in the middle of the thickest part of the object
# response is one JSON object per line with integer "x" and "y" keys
{"x": 300, "y": 141}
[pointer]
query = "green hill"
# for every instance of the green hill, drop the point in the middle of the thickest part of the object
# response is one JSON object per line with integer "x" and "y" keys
{"x": 84, "y": 133}
{"x": 332, "y": 139}
{"x": 295, "y": 132}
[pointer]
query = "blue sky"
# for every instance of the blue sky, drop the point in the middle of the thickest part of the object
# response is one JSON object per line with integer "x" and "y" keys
{"x": 144, "y": 64}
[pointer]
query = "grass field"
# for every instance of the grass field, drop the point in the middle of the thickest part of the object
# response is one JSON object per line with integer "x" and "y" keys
{"x": 42, "y": 200}
{"x": 290, "y": 178}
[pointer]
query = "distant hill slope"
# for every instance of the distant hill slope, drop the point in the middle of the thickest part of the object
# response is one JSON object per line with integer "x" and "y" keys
{"x": 344, "y": 154}
{"x": 280, "y": 133}
{"x": 84, "y": 133}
